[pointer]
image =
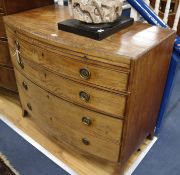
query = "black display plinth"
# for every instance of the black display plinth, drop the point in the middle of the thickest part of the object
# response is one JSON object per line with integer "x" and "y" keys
{"x": 95, "y": 31}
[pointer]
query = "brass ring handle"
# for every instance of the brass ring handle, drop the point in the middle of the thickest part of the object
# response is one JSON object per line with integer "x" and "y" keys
{"x": 29, "y": 106}
{"x": 85, "y": 73}
{"x": 84, "y": 96}
{"x": 3, "y": 39}
{"x": 25, "y": 85}
{"x": 87, "y": 121}
{"x": 85, "y": 141}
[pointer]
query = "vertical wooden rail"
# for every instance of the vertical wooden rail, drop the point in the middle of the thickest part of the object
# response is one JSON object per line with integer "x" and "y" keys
{"x": 134, "y": 14}
{"x": 60, "y": 2}
{"x": 157, "y": 5}
{"x": 147, "y": 2}
{"x": 176, "y": 21}
{"x": 166, "y": 14}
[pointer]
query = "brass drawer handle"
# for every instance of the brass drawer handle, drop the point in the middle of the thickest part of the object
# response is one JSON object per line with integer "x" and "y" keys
{"x": 29, "y": 106}
{"x": 85, "y": 73}
{"x": 87, "y": 121}
{"x": 19, "y": 60}
{"x": 2, "y": 12}
{"x": 25, "y": 85}
{"x": 17, "y": 45}
{"x": 85, "y": 141}
{"x": 84, "y": 96}
{"x": 3, "y": 39}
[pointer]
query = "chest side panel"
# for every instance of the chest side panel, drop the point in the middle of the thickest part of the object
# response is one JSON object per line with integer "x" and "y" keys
{"x": 147, "y": 83}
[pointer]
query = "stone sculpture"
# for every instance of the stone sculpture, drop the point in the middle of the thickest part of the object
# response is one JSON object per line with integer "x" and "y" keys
{"x": 96, "y": 11}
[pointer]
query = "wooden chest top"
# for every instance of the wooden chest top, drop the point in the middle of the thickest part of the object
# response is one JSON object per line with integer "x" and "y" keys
{"x": 118, "y": 49}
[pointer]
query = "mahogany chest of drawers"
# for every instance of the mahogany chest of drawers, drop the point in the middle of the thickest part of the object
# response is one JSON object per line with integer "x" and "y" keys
{"x": 100, "y": 99}
{"x": 7, "y": 78}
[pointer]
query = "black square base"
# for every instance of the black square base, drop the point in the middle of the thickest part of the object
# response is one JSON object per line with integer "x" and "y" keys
{"x": 95, "y": 31}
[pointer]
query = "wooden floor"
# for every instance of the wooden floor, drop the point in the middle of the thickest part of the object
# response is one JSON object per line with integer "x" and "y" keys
{"x": 10, "y": 107}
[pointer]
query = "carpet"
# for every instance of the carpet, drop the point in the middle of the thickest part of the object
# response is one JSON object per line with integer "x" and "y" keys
{"x": 24, "y": 157}
{"x": 5, "y": 167}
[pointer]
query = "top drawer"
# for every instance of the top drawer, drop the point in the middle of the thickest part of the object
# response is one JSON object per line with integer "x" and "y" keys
{"x": 72, "y": 67}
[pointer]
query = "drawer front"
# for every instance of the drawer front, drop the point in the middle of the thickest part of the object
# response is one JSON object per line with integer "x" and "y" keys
{"x": 2, "y": 28}
{"x": 23, "y": 5}
{"x": 1, "y": 6}
{"x": 78, "y": 69}
{"x": 87, "y": 131}
{"x": 86, "y": 96}
{"x": 4, "y": 52}
{"x": 7, "y": 78}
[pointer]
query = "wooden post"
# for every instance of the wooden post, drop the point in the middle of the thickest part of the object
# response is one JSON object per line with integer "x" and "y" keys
{"x": 60, "y": 2}
{"x": 147, "y": 2}
{"x": 134, "y": 14}
{"x": 176, "y": 21}
{"x": 157, "y": 4}
{"x": 166, "y": 14}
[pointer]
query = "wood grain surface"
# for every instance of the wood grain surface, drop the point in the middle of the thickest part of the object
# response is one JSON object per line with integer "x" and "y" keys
{"x": 147, "y": 84}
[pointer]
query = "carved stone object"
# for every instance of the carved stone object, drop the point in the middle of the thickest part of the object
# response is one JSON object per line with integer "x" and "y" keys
{"x": 96, "y": 11}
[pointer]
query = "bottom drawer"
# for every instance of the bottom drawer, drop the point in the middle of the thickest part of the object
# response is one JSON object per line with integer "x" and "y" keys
{"x": 99, "y": 135}
{"x": 7, "y": 78}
